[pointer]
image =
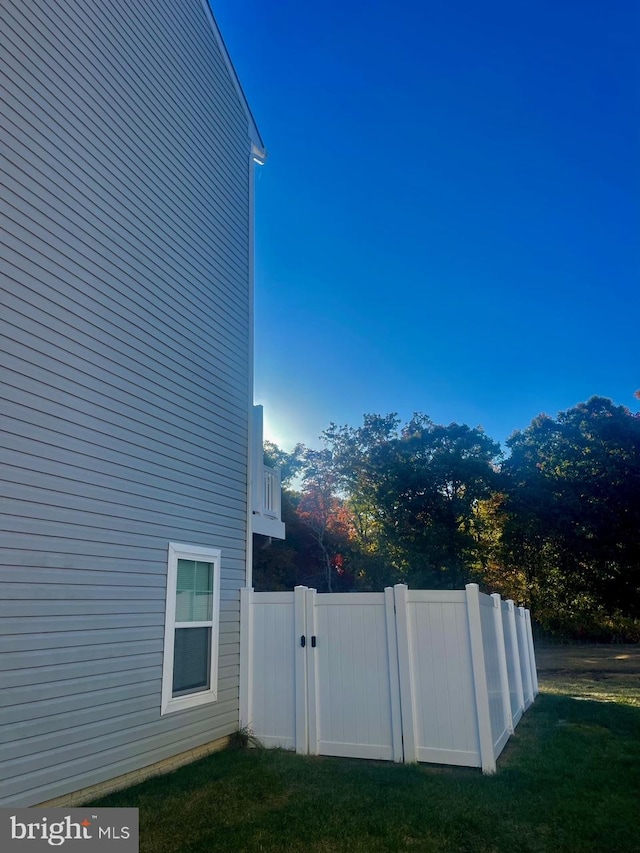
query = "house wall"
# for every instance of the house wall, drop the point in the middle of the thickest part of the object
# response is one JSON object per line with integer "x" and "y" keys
{"x": 124, "y": 335}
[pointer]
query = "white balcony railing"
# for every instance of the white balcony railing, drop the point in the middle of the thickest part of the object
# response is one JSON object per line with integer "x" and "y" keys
{"x": 272, "y": 492}
{"x": 266, "y": 490}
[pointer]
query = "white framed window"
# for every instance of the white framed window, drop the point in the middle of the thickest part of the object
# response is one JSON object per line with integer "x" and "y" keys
{"x": 190, "y": 666}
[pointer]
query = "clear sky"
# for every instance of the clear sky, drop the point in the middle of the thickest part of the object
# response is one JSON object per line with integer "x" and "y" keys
{"x": 448, "y": 221}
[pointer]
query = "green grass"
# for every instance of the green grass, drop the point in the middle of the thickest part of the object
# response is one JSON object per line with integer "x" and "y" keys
{"x": 567, "y": 782}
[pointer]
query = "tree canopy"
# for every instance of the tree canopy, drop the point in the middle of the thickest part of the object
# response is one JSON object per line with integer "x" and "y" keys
{"x": 572, "y": 508}
{"x": 554, "y": 524}
{"x": 415, "y": 491}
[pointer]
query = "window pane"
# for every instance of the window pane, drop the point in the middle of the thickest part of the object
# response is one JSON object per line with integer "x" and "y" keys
{"x": 191, "y": 660}
{"x": 194, "y": 599}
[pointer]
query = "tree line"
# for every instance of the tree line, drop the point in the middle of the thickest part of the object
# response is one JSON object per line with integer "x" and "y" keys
{"x": 553, "y": 524}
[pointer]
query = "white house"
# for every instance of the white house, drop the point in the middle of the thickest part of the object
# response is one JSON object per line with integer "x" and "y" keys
{"x": 127, "y": 153}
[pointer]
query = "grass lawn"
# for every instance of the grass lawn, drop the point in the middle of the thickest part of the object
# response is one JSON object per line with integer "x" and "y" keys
{"x": 568, "y": 780}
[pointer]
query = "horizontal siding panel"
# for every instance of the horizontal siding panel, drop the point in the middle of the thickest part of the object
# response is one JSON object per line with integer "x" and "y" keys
{"x": 116, "y": 514}
{"x": 120, "y": 259}
{"x": 229, "y": 643}
{"x": 162, "y": 408}
{"x": 160, "y": 271}
{"x": 135, "y": 447}
{"x": 39, "y": 442}
{"x": 55, "y": 256}
{"x": 118, "y": 136}
{"x": 26, "y": 731}
{"x": 37, "y": 527}
{"x": 35, "y": 667}
{"x": 67, "y": 705}
{"x": 76, "y": 686}
{"x": 46, "y": 322}
{"x": 59, "y": 250}
{"x": 128, "y": 77}
{"x": 19, "y": 642}
{"x": 32, "y": 560}
{"x": 42, "y": 666}
{"x": 25, "y": 609}
{"x": 47, "y": 789}
{"x": 107, "y": 181}
{"x": 52, "y": 587}
{"x": 229, "y": 632}
{"x": 123, "y": 732}
{"x": 46, "y": 362}
{"x": 132, "y": 725}
{"x": 59, "y": 506}
{"x": 210, "y": 109}
{"x": 94, "y": 483}
{"x": 24, "y": 616}
{"x": 43, "y": 186}
{"x": 19, "y": 567}
{"x": 114, "y": 756}
{"x": 52, "y": 624}
{"x": 168, "y": 379}
{"x": 175, "y": 38}
{"x": 46, "y": 593}
{"x": 117, "y": 557}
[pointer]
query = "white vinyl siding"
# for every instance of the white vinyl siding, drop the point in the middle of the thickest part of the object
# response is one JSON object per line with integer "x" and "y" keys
{"x": 125, "y": 346}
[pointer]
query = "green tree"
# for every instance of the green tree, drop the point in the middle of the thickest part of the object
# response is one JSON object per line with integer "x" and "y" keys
{"x": 572, "y": 511}
{"x": 415, "y": 493}
{"x": 290, "y": 464}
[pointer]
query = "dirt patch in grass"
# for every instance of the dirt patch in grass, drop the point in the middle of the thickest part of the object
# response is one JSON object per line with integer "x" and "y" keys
{"x": 604, "y": 673}
{"x": 616, "y": 660}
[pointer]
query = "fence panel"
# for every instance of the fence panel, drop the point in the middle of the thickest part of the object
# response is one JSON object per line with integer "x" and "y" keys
{"x": 532, "y": 655}
{"x": 516, "y": 696}
{"x": 525, "y": 662}
{"x": 271, "y": 711}
{"x": 493, "y": 653}
{"x": 445, "y": 728}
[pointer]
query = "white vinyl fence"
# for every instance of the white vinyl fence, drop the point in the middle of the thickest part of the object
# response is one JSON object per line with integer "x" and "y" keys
{"x": 403, "y": 675}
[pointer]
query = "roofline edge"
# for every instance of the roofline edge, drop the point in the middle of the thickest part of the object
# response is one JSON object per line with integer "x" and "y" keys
{"x": 258, "y": 150}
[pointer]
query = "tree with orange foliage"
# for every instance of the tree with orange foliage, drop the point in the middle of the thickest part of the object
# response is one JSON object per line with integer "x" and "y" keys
{"x": 323, "y": 511}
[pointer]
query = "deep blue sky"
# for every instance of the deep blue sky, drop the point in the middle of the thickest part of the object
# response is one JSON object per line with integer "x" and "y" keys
{"x": 448, "y": 220}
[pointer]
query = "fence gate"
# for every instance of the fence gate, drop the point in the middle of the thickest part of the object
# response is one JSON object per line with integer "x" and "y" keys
{"x": 403, "y": 675}
{"x": 354, "y": 702}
